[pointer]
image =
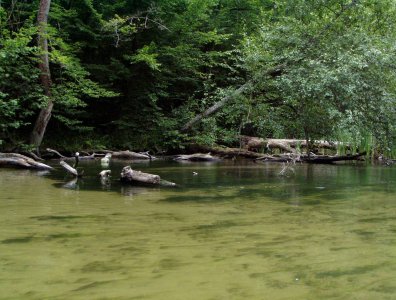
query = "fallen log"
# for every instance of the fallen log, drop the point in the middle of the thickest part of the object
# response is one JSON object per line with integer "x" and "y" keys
{"x": 32, "y": 155}
{"x": 290, "y": 157}
{"x": 197, "y": 157}
{"x": 226, "y": 152}
{"x": 55, "y": 152}
{"x": 314, "y": 159}
{"x": 21, "y": 161}
{"x": 89, "y": 156}
{"x": 326, "y": 159}
{"x": 131, "y": 155}
{"x": 129, "y": 175}
{"x": 288, "y": 145}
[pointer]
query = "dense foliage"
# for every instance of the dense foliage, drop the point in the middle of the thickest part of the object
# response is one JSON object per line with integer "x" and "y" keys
{"x": 130, "y": 74}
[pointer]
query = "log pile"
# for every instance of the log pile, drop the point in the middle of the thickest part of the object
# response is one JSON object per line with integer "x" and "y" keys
{"x": 17, "y": 160}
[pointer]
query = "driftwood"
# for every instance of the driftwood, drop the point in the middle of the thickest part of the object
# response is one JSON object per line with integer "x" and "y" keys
{"x": 132, "y": 176}
{"x": 131, "y": 155}
{"x": 197, "y": 157}
{"x": 70, "y": 169}
{"x": 55, "y": 152}
{"x": 21, "y": 161}
{"x": 105, "y": 174}
{"x": 73, "y": 169}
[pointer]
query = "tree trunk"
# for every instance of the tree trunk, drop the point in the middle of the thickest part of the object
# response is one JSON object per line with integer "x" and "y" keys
{"x": 44, "y": 116}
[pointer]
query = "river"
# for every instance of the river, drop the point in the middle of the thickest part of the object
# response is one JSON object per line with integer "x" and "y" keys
{"x": 236, "y": 230}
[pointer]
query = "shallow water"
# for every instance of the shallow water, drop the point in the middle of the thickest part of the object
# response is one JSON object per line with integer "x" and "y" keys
{"x": 234, "y": 231}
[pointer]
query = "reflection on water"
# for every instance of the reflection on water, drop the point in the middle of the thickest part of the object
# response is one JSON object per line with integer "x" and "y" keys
{"x": 234, "y": 231}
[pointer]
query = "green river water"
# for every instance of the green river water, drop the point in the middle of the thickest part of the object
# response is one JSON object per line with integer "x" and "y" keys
{"x": 234, "y": 231}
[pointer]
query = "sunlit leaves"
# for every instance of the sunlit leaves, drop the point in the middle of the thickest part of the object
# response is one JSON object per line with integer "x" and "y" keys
{"x": 147, "y": 54}
{"x": 19, "y": 90}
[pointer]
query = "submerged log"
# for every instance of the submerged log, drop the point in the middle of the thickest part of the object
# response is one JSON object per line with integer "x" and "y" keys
{"x": 197, "y": 157}
{"x": 132, "y": 176}
{"x": 21, "y": 161}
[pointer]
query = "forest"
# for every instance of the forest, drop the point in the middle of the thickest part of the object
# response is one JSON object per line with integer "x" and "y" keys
{"x": 160, "y": 75}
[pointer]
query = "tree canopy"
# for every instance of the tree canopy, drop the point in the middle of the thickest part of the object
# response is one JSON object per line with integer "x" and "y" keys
{"x": 131, "y": 74}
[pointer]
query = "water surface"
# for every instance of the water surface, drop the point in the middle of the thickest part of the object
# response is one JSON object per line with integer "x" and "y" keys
{"x": 234, "y": 231}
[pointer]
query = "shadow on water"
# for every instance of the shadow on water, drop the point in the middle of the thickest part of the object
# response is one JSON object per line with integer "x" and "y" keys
{"x": 209, "y": 182}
